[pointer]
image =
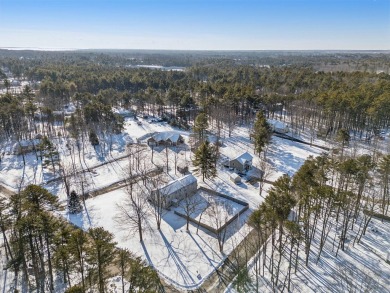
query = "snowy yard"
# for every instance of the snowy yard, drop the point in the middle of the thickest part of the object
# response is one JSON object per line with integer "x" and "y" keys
{"x": 211, "y": 209}
{"x": 182, "y": 258}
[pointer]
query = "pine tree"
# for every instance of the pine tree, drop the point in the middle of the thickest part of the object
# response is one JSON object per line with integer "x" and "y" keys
{"x": 35, "y": 232}
{"x": 200, "y": 126}
{"x": 5, "y": 224}
{"x": 77, "y": 247}
{"x": 384, "y": 176}
{"x": 343, "y": 137}
{"x": 143, "y": 278}
{"x": 74, "y": 205}
{"x": 62, "y": 259}
{"x": 205, "y": 160}
{"x": 100, "y": 255}
{"x": 123, "y": 262}
{"x": 280, "y": 201}
{"x": 49, "y": 153}
{"x": 261, "y": 133}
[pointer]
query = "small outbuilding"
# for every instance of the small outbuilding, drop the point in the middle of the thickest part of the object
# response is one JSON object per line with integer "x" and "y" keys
{"x": 242, "y": 163}
{"x": 234, "y": 177}
{"x": 254, "y": 174}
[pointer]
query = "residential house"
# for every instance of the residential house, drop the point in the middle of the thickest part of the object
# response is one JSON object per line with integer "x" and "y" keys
{"x": 175, "y": 191}
{"x": 165, "y": 138}
{"x": 242, "y": 163}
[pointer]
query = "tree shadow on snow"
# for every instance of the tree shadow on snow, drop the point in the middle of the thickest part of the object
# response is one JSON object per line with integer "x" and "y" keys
{"x": 181, "y": 268}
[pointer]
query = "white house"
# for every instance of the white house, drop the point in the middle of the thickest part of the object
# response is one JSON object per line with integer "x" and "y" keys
{"x": 175, "y": 190}
{"x": 242, "y": 163}
{"x": 279, "y": 126}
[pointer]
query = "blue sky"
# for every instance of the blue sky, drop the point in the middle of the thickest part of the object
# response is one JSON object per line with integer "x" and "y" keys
{"x": 196, "y": 24}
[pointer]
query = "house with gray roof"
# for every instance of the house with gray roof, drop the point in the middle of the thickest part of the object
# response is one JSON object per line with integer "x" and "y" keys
{"x": 165, "y": 138}
{"x": 174, "y": 191}
{"x": 242, "y": 163}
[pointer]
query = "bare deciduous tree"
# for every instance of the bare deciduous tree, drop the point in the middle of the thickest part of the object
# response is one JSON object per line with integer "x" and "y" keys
{"x": 133, "y": 211}
{"x": 219, "y": 212}
{"x": 156, "y": 198}
{"x": 266, "y": 172}
{"x": 190, "y": 204}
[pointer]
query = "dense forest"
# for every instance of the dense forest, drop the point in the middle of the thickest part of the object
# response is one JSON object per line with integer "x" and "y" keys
{"x": 97, "y": 82}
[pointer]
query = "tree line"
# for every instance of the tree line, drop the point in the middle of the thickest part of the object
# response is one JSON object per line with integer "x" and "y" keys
{"x": 322, "y": 102}
{"x": 328, "y": 193}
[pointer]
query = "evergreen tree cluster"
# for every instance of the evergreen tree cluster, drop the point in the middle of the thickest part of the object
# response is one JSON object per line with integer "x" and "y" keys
{"x": 229, "y": 93}
{"x": 327, "y": 192}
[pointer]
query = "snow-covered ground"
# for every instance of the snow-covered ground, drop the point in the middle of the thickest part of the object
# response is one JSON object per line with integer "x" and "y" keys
{"x": 12, "y": 169}
{"x": 184, "y": 259}
{"x": 210, "y": 209}
{"x": 362, "y": 267}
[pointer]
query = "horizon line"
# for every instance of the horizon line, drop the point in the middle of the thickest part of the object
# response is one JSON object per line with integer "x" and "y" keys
{"x": 54, "y": 49}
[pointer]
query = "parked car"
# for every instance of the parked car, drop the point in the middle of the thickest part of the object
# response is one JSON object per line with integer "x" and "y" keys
{"x": 139, "y": 122}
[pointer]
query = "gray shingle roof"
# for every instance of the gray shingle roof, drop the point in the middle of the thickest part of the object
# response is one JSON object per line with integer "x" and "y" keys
{"x": 177, "y": 184}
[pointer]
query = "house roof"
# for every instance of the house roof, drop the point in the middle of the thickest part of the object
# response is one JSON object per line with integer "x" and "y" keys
{"x": 244, "y": 158}
{"x": 234, "y": 176}
{"x": 177, "y": 184}
{"x": 166, "y": 136}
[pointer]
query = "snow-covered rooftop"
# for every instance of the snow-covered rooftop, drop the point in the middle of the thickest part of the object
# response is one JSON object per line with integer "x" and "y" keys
{"x": 177, "y": 184}
{"x": 234, "y": 176}
{"x": 165, "y": 136}
{"x": 244, "y": 158}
